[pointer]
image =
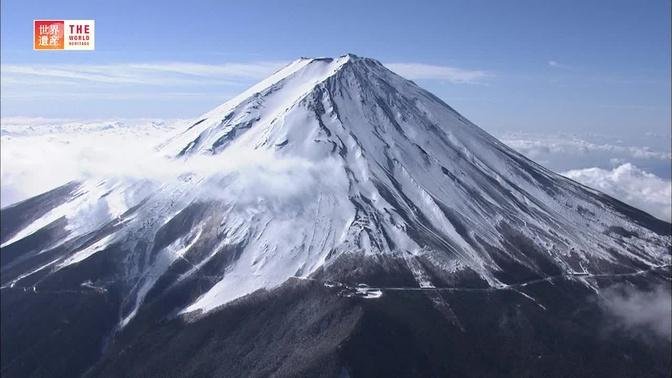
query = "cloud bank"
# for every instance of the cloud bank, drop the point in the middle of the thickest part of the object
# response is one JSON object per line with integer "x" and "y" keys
{"x": 39, "y": 154}
{"x": 48, "y": 154}
{"x": 631, "y": 185}
{"x": 537, "y": 146}
{"x": 635, "y": 169}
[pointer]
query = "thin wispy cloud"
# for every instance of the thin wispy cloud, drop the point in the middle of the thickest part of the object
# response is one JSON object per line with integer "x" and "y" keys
{"x": 168, "y": 81}
{"x": 450, "y": 74}
{"x": 556, "y": 64}
{"x": 130, "y": 96}
{"x": 188, "y": 72}
{"x": 166, "y": 73}
{"x": 254, "y": 70}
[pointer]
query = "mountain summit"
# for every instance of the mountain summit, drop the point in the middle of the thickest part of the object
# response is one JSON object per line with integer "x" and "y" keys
{"x": 334, "y": 174}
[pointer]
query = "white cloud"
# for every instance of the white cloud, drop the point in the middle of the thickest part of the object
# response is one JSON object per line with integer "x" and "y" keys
{"x": 638, "y": 310}
{"x": 456, "y": 75}
{"x": 556, "y": 64}
{"x": 255, "y": 70}
{"x": 632, "y": 185}
{"x": 39, "y": 154}
{"x": 561, "y": 152}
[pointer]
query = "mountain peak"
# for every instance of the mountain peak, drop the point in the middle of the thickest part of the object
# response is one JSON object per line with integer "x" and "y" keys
{"x": 350, "y": 55}
{"x": 272, "y": 97}
{"x": 339, "y": 62}
{"x": 356, "y": 58}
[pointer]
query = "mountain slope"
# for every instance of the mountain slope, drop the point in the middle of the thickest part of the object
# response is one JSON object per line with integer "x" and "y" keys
{"x": 333, "y": 170}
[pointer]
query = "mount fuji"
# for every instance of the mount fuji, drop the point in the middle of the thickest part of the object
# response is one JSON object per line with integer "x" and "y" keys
{"x": 335, "y": 219}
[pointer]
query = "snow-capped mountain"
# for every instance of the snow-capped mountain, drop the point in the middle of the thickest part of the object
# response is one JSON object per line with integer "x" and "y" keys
{"x": 331, "y": 171}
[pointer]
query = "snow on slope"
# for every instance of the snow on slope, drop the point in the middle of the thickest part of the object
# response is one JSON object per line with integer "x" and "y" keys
{"x": 329, "y": 157}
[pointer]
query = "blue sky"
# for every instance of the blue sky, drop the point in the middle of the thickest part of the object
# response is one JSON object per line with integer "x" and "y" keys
{"x": 542, "y": 66}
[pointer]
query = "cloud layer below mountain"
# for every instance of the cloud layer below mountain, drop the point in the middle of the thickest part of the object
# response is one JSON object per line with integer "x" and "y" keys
{"x": 39, "y": 154}
{"x": 632, "y": 185}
